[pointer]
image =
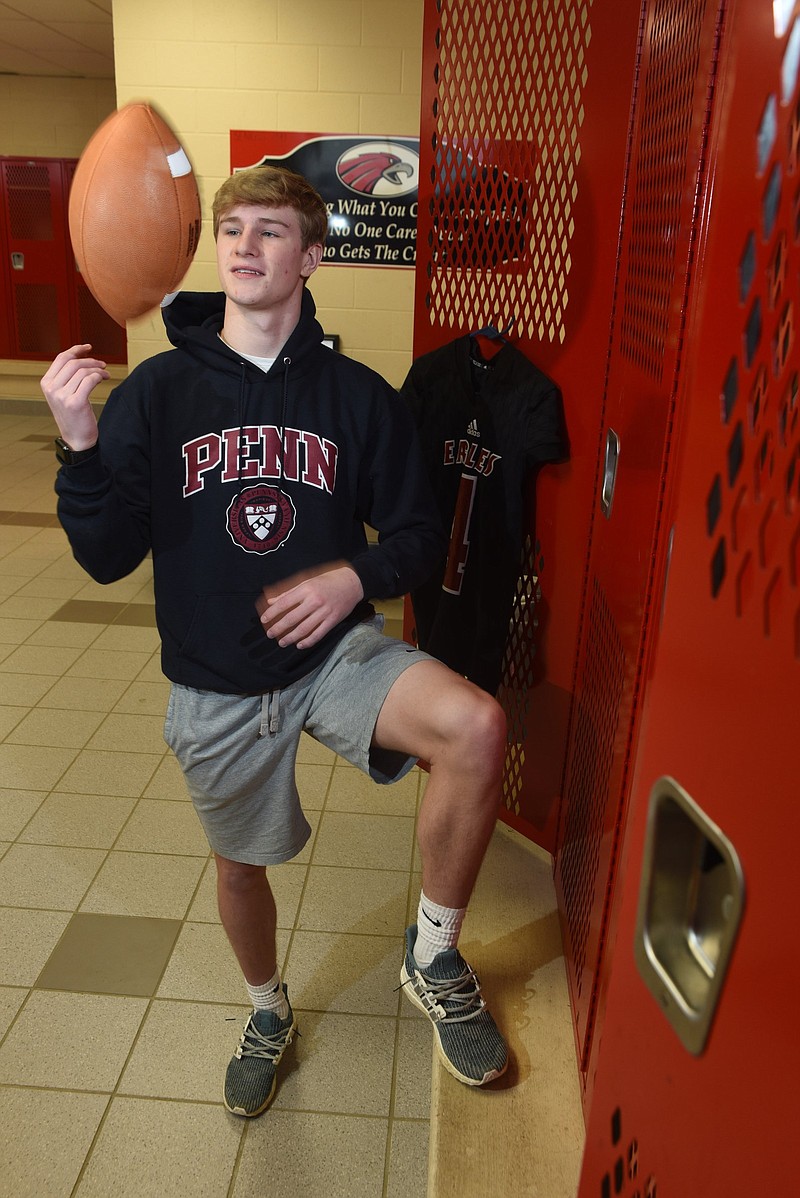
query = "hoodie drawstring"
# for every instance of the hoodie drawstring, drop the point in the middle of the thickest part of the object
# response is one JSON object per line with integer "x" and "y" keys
{"x": 240, "y": 414}
{"x": 240, "y": 421}
{"x": 284, "y": 407}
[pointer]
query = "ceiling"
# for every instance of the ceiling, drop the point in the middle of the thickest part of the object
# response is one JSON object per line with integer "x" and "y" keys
{"x": 71, "y": 38}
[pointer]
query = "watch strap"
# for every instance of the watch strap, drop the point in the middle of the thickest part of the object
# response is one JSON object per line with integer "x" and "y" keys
{"x": 72, "y": 457}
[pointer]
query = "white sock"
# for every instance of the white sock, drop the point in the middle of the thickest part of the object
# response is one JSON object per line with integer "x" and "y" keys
{"x": 270, "y": 996}
{"x": 438, "y": 928}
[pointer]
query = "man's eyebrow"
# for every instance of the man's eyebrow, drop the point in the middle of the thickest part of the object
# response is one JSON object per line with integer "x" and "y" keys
{"x": 261, "y": 220}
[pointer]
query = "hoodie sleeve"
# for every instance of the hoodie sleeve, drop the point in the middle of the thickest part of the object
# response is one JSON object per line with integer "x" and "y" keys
{"x": 395, "y": 498}
{"x": 103, "y": 503}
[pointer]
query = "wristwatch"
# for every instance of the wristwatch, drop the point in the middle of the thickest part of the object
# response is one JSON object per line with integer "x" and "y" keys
{"x": 71, "y": 457}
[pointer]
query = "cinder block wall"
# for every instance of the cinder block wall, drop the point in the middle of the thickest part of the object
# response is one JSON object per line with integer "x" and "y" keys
{"x": 306, "y": 65}
{"x": 45, "y": 117}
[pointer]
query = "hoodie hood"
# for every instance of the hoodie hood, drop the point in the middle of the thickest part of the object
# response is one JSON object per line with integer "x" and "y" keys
{"x": 194, "y": 319}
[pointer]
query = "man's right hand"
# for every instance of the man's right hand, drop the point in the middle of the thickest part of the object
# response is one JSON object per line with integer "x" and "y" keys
{"x": 67, "y": 386}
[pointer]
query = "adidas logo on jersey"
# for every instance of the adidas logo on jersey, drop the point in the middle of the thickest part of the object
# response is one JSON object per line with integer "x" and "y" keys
{"x": 472, "y": 429}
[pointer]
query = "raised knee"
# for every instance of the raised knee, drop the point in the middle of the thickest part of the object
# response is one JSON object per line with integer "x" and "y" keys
{"x": 479, "y": 731}
{"x": 492, "y": 727}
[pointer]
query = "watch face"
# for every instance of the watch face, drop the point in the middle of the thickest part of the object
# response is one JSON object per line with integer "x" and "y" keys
{"x": 69, "y": 457}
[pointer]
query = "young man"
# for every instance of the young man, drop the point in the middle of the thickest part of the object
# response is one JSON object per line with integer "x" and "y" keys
{"x": 248, "y": 460}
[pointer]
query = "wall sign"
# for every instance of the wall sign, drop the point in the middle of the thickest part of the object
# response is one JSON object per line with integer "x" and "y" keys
{"x": 369, "y": 184}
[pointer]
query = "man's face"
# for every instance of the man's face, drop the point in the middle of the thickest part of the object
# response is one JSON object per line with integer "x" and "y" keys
{"x": 260, "y": 256}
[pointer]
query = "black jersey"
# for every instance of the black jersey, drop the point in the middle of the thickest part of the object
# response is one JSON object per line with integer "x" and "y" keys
{"x": 483, "y": 426}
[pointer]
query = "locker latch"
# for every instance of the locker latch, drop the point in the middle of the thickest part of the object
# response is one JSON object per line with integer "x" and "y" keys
{"x": 17, "y": 261}
{"x": 690, "y": 907}
{"x": 609, "y": 473}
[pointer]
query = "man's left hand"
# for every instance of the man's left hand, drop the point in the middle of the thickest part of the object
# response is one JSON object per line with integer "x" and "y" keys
{"x": 302, "y": 609}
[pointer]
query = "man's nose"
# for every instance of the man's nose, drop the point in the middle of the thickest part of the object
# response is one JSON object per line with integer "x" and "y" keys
{"x": 247, "y": 241}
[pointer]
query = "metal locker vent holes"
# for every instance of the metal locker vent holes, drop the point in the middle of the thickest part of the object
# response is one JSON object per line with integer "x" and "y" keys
{"x": 518, "y": 670}
{"x": 509, "y": 79}
{"x": 597, "y": 706}
{"x": 659, "y": 182}
{"x": 37, "y": 318}
{"x": 623, "y": 1178}
{"x": 755, "y": 490}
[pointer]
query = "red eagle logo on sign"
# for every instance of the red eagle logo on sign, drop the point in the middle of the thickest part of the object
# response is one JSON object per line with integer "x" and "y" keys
{"x": 363, "y": 172}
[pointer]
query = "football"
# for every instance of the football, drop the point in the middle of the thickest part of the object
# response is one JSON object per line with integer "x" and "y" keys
{"x": 134, "y": 212}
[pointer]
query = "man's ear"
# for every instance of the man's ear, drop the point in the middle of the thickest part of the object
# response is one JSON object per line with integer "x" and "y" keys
{"x": 313, "y": 258}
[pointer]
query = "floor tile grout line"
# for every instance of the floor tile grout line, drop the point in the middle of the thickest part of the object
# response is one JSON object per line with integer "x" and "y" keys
{"x": 156, "y": 999}
{"x": 227, "y": 1004}
{"x": 366, "y": 1116}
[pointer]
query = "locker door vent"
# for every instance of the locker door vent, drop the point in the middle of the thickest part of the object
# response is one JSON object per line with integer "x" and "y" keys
{"x": 518, "y": 671}
{"x": 30, "y": 215}
{"x": 658, "y": 180}
{"x": 37, "y": 318}
{"x": 508, "y": 79}
{"x": 591, "y": 759}
{"x": 624, "y": 1176}
{"x": 753, "y": 523}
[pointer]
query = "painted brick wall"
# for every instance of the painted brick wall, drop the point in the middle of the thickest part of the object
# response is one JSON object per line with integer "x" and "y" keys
{"x": 352, "y": 66}
{"x": 49, "y": 117}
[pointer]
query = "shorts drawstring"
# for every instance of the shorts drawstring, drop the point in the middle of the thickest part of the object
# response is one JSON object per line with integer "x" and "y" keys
{"x": 270, "y": 712}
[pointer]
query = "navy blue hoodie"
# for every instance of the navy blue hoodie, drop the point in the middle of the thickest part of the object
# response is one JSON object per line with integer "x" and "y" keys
{"x": 236, "y": 479}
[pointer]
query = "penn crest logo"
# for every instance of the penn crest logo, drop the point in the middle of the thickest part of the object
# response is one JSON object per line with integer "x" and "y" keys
{"x": 379, "y": 168}
{"x": 261, "y": 519}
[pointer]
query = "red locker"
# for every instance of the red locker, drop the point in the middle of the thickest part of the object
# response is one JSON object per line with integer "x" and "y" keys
{"x": 672, "y": 106}
{"x": 523, "y": 149}
{"x": 698, "y": 1057}
{"x": 34, "y": 203}
{"x": 47, "y": 306}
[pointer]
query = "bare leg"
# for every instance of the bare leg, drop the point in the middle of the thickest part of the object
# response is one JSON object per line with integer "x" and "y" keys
{"x": 460, "y": 730}
{"x": 247, "y": 911}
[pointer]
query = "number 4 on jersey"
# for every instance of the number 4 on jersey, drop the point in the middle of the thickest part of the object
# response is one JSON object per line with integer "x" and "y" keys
{"x": 459, "y": 537}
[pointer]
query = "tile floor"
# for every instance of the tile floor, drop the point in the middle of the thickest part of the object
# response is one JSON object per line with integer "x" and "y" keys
{"x": 120, "y": 1000}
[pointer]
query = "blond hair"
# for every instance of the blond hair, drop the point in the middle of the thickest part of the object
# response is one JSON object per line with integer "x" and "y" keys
{"x": 275, "y": 187}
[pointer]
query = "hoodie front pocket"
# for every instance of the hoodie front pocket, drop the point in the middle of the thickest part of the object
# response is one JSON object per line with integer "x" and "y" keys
{"x": 225, "y": 632}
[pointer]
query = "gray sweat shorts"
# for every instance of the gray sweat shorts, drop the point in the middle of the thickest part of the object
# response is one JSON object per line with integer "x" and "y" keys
{"x": 237, "y": 752}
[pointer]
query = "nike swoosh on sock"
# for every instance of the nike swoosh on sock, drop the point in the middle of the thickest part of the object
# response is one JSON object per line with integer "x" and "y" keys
{"x": 435, "y": 922}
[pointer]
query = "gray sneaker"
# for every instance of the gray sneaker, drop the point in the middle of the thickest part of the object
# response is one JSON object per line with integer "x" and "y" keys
{"x": 252, "y": 1072}
{"x": 449, "y": 993}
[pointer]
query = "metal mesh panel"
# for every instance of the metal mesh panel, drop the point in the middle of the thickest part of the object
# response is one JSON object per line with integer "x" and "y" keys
{"x": 658, "y": 181}
{"x": 597, "y": 718}
{"x": 518, "y": 671}
{"x": 509, "y": 78}
{"x": 29, "y": 206}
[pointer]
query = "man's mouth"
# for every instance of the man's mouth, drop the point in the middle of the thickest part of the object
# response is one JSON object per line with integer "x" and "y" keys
{"x": 251, "y": 274}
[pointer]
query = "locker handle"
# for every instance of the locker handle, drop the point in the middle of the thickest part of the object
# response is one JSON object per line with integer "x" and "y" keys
{"x": 690, "y": 906}
{"x": 17, "y": 260}
{"x": 609, "y": 473}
